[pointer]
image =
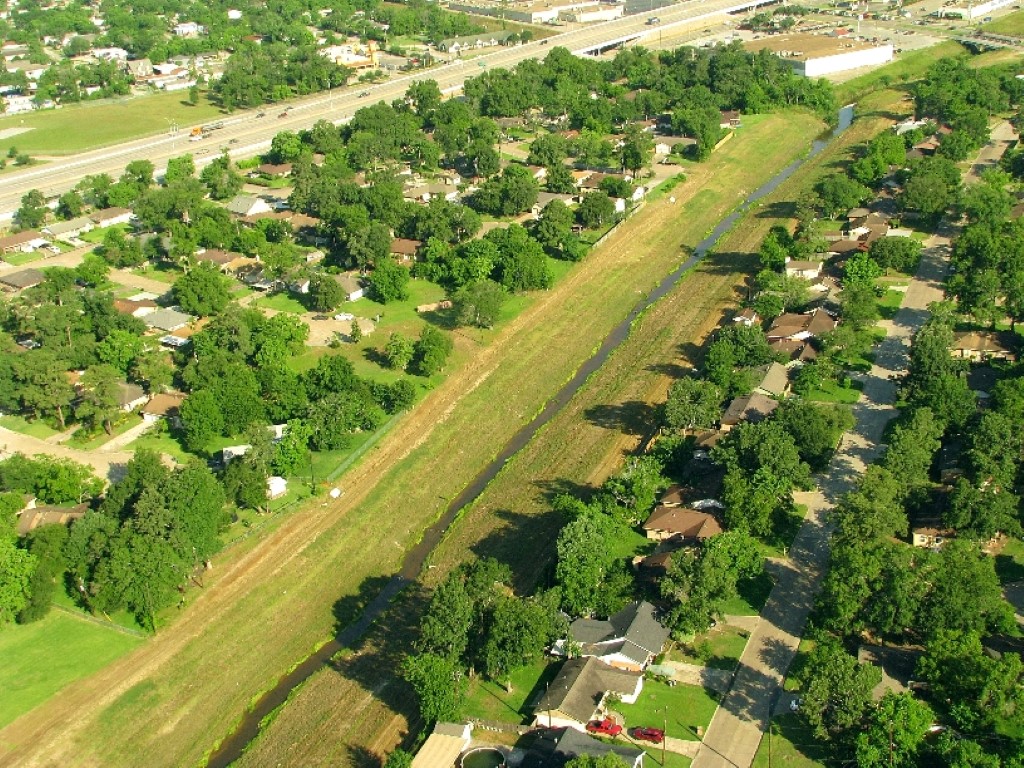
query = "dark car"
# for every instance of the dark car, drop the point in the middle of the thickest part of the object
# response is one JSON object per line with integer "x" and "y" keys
{"x": 283, "y": 114}
{"x": 544, "y": 42}
{"x": 606, "y": 727}
{"x": 648, "y": 734}
{"x": 261, "y": 114}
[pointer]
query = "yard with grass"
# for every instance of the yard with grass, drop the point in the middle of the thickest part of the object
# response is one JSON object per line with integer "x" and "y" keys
{"x": 94, "y": 124}
{"x": 719, "y": 648}
{"x": 83, "y": 439}
{"x": 487, "y": 700}
{"x": 1011, "y": 25}
{"x": 682, "y": 708}
{"x": 33, "y": 428}
{"x": 833, "y": 392}
{"x": 889, "y": 303}
{"x": 43, "y": 657}
{"x": 19, "y": 259}
{"x": 1010, "y": 561}
{"x": 790, "y": 743}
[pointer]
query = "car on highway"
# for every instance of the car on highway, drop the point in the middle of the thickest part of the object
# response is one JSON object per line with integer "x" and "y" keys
{"x": 653, "y": 20}
{"x": 363, "y": 94}
{"x": 344, "y": 316}
{"x": 544, "y": 41}
{"x": 606, "y": 727}
{"x": 261, "y": 114}
{"x": 284, "y": 114}
{"x": 655, "y": 735}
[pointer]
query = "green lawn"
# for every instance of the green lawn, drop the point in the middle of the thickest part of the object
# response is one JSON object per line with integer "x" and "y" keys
{"x": 908, "y": 66}
{"x": 889, "y": 303}
{"x": 753, "y": 594}
{"x": 791, "y": 743}
{"x": 90, "y": 441}
{"x": 1011, "y": 25}
{"x": 34, "y": 428}
{"x": 684, "y": 707}
{"x": 161, "y": 441}
{"x": 162, "y": 272}
{"x": 719, "y": 648}
{"x": 51, "y": 653}
{"x": 835, "y": 393}
{"x": 17, "y": 259}
{"x": 489, "y": 701}
{"x": 1010, "y": 562}
{"x": 282, "y": 302}
{"x": 94, "y": 124}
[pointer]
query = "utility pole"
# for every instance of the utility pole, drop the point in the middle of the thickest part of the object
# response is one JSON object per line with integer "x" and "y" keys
{"x": 891, "y": 756}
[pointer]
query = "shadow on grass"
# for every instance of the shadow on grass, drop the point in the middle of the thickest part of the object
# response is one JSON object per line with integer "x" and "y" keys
{"x": 754, "y": 591}
{"x": 524, "y": 542}
{"x": 633, "y": 417}
{"x": 361, "y": 757}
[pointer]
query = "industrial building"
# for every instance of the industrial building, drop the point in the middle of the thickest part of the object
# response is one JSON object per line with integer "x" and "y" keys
{"x": 822, "y": 55}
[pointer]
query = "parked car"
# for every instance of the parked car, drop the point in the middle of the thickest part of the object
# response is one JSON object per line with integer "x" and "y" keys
{"x": 606, "y": 727}
{"x": 657, "y": 735}
{"x": 344, "y": 316}
{"x": 795, "y": 704}
{"x": 284, "y": 114}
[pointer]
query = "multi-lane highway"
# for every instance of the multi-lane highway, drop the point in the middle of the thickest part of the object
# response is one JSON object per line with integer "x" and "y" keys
{"x": 245, "y": 133}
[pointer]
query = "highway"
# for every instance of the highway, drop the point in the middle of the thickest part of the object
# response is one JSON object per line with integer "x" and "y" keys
{"x": 246, "y": 134}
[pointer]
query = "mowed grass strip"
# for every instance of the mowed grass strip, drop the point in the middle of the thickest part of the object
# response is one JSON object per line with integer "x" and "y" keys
{"x": 285, "y": 592}
{"x": 43, "y": 657}
{"x": 93, "y": 124}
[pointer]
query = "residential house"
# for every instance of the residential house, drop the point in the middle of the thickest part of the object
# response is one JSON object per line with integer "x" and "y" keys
{"x": 979, "y": 346}
{"x": 218, "y": 258}
{"x": 22, "y": 242}
{"x": 797, "y": 352}
{"x": 543, "y": 198}
{"x": 165, "y": 405}
{"x": 898, "y": 666}
{"x": 808, "y": 270}
{"x": 748, "y": 317}
{"x": 275, "y": 170}
{"x": 752, "y": 408}
{"x": 255, "y": 277}
{"x": 928, "y": 531}
{"x": 404, "y": 249}
{"x": 801, "y": 327}
{"x": 457, "y": 45}
{"x": 31, "y": 518}
{"x": 681, "y": 524}
{"x": 772, "y": 380}
{"x": 424, "y": 193}
{"x": 231, "y": 452}
{"x": 443, "y": 746}
{"x": 538, "y": 172}
{"x": 188, "y": 29}
{"x": 110, "y": 217}
{"x": 729, "y": 119}
{"x": 247, "y": 205}
{"x": 629, "y": 639}
{"x": 135, "y": 307}
{"x": 277, "y": 487}
{"x": 845, "y": 247}
{"x": 555, "y": 747}
{"x": 578, "y": 692}
{"x": 139, "y": 69}
{"x": 167, "y": 319}
{"x": 352, "y": 284}
{"x": 70, "y": 229}
{"x": 130, "y": 396}
{"x": 12, "y": 282}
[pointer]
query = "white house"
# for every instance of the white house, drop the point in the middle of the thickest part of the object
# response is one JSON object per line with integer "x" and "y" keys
{"x": 188, "y": 29}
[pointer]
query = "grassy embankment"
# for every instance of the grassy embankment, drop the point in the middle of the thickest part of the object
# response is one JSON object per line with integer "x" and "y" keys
{"x": 512, "y": 519}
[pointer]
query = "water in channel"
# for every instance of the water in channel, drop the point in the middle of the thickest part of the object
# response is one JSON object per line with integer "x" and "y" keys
{"x": 248, "y": 728}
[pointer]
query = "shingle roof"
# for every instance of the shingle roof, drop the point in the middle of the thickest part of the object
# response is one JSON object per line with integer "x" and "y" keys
{"x": 688, "y": 523}
{"x": 24, "y": 278}
{"x": 554, "y": 747}
{"x": 754, "y": 407}
{"x": 581, "y": 684}
{"x": 632, "y": 632}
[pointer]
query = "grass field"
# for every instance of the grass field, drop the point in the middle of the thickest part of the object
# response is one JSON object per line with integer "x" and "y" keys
{"x": 684, "y": 707}
{"x": 489, "y": 701}
{"x": 791, "y": 744}
{"x": 33, "y": 428}
{"x": 1011, "y": 25}
{"x": 720, "y": 648}
{"x": 832, "y": 392}
{"x": 43, "y": 657}
{"x": 100, "y": 123}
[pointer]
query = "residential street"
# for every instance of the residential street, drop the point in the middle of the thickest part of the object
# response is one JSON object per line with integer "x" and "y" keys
{"x": 735, "y": 731}
{"x": 733, "y": 737}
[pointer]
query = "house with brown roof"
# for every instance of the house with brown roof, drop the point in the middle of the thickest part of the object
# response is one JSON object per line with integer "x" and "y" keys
{"x": 796, "y": 352}
{"x": 730, "y": 118}
{"x": 31, "y": 518}
{"x": 929, "y": 532}
{"x": 109, "y": 217}
{"x": 681, "y": 524}
{"x": 215, "y": 256}
{"x": 135, "y": 307}
{"x": 22, "y": 242}
{"x": 580, "y": 690}
{"x": 164, "y": 405}
{"x": 275, "y": 170}
{"x": 978, "y": 346}
{"x": 754, "y": 408}
{"x": 443, "y": 746}
{"x": 12, "y": 282}
{"x": 747, "y": 317}
{"x": 790, "y": 325}
{"x": 404, "y": 249}
{"x": 772, "y": 380}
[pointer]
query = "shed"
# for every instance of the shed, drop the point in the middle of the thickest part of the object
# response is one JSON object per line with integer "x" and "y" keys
{"x": 443, "y": 747}
{"x": 276, "y": 487}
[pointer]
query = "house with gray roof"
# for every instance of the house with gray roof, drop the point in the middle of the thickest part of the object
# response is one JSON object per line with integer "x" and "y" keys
{"x": 629, "y": 639}
{"x": 578, "y": 693}
{"x": 20, "y": 280}
{"x": 63, "y": 230}
{"x": 167, "y": 319}
{"x": 554, "y": 747}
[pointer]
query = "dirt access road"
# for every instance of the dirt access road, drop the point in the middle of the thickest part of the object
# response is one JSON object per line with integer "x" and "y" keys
{"x": 272, "y": 598}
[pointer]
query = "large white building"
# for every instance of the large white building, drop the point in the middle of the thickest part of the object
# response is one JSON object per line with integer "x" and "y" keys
{"x": 823, "y": 55}
{"x": 973, "y": 11}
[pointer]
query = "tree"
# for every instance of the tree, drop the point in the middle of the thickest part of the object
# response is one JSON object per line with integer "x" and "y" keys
{"x": 399, "y": 759}
{"x": 179, "y": 168}
{"x": 32, "y": 212}
{"x": 439, "y": 684}
{"x": 389, "y": 281}
{"x": 836, "y": 689}
{"x": 862, "y": 270}
{"x": 221, "y": 178}
{"x": 479, "y": 303}
{"x": 839, "y": 193}
{"x": 398, "y": 351}
{"x": 325, "y": 293}
{"x": 99, "y": 402}
{"x": 636, "y": 487}
{"x": 895, "y": 732}
{"x": 692, "y": 404}
{"x": 16, "y": 568}
{"x": 46, "y": 544}
{"x": 44, "y": 388}
{"x": 899, "y": 253}
{"x": 69, "y": 205}
{"x": 202, "y": 291}
{"x": 446, "y": 625}
{"x": 699, "y": 582}
{"x": 431, "y": 351}
{"x": 519, "y": 631}
{"x": 202, "y": 418}
{"x": 595, "y": 210}
{"x": 815, "y": 429}
{"x": 119, "y": 349}
{"x": 581, "y": 563}
{"x": 554, "y": 225}
{"x": 92, "y": 271}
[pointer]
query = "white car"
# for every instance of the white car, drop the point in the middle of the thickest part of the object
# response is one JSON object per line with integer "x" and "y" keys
{"x": 344, "y": 316}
